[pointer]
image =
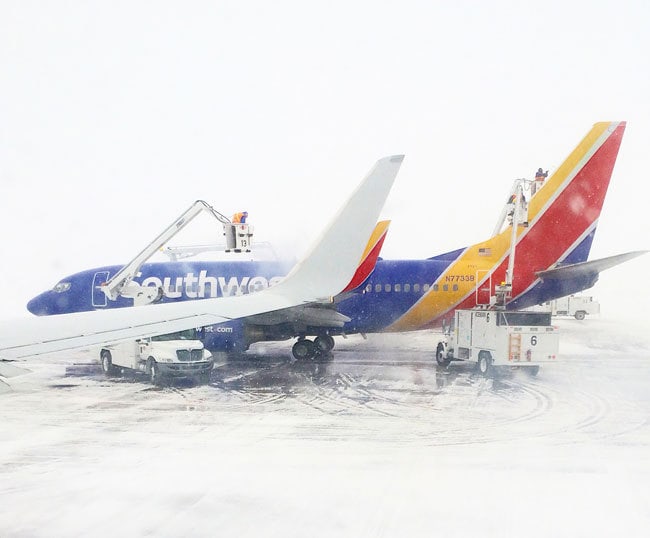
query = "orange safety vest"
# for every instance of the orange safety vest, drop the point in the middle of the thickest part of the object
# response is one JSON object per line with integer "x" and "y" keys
{"x": 237, "y": 217}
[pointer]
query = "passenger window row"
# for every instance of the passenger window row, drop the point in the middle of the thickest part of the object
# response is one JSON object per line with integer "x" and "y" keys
{"x": 397, "y": 288}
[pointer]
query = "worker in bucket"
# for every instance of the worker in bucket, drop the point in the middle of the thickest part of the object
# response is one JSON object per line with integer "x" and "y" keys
{"x": 511, "y": 202}
{"x": 540, "y": 176}
{"x": 240, "y": 218}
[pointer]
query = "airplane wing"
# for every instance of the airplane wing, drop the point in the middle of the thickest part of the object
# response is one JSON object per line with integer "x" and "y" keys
{"x": 325, "y": 271}
{"x": 590, "y": 268}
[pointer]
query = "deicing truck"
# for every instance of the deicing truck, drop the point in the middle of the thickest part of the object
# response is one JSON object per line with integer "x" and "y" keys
{"x": 176, "y": 355}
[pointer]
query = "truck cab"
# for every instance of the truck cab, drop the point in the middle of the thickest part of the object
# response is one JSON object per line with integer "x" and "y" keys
{"x": 174, "y": 355}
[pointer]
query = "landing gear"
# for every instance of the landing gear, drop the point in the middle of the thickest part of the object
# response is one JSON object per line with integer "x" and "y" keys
{"x": 324, "y": 343}
{"x": 305, "y": 349}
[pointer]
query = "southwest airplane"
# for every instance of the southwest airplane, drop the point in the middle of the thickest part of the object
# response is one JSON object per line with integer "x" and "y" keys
{"x": 552, "y": 246}
{"x": 329, "y": 269}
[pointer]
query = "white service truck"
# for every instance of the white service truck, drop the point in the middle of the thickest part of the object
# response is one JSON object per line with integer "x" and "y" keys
{"x": 577, "y": 306}
{"x": 494, "y": 338}
{"x": 175, "y": 355}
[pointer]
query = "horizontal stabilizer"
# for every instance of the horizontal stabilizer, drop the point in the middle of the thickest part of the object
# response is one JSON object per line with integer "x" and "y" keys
{"x": 581, "y": 269}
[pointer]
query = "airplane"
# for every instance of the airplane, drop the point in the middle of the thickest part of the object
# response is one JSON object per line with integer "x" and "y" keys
{"x": 552, "y": 244}
{"x": 329, "y": 268}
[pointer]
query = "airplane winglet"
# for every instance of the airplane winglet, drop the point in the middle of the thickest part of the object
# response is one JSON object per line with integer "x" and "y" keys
{"x": 335, "y": 257}
{"x": 370, "y": 256}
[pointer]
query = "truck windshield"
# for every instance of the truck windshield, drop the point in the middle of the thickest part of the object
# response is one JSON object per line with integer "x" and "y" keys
{"x": 539, "y": 319}
{"x": 189, "y": 334}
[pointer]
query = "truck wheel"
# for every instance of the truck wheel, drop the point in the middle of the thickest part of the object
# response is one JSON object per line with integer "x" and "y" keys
{"x": 580, "y": 315}
{"x": 107, "y": 363}
{"x": 204, "y": 378}
{"x": 484, "y": 363}
{"x": 441, "y": 356}
{"x": 154, "y": 372}
{"x": 532, "y": 370}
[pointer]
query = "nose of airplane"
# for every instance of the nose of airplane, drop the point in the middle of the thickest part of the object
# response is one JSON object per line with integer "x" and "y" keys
{"x": 42, "y": 305}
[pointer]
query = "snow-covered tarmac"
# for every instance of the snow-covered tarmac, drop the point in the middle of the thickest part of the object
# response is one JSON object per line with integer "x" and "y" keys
{"x": 375, "y": 442}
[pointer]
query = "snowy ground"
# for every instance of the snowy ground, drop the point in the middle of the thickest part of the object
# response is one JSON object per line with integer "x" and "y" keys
{"x": 375, "y": 442}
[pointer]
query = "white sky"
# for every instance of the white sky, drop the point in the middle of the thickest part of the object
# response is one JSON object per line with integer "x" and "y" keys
{"x": 116, "y": 116}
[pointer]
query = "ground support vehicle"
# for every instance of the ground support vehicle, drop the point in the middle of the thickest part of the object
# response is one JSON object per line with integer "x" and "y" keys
{"x": 176, "y": 355}
{"x": 577, "y": 306}
{"x": 493, "y": 338}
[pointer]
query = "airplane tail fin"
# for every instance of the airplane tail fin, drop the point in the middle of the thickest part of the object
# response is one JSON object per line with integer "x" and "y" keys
{"x": 563, "y": 215}
{"x": 557, "y": 229}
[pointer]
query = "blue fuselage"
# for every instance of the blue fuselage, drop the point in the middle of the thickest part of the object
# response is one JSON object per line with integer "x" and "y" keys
{"x": 393, "y": 288}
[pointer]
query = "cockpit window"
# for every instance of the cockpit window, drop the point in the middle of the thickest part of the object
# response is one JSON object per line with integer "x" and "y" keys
{"x": 61, "y": 287}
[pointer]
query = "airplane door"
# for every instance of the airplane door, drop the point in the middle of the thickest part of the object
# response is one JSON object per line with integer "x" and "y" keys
{"x": 99, "y": 297}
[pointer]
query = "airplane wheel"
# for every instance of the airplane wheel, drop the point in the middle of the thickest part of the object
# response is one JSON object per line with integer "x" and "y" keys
{"x": 304, "y": 349}
{"x": 441, "y": 356}
{"x": 484, "y": 363}
{"x": 107, "y": 363}
{"x": 324, "y": 343}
